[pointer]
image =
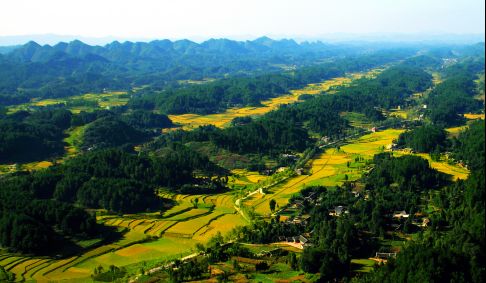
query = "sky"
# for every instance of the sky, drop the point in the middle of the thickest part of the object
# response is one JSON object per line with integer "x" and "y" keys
{"x": 239, "y": 19}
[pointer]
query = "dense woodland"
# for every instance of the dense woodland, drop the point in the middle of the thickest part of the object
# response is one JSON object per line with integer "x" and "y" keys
{"x": 451, "y": 98}
{"x": 27, "y": 136}
{"x": 428, "y": 138}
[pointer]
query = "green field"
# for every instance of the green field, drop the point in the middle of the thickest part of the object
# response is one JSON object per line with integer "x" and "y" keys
{"x": 86, "y": 102}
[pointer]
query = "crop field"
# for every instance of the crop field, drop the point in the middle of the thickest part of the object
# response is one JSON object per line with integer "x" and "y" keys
{"x": 455, "y": 170}
{"x": 471, "y": 116}
{"x": 241, "y": 178}
{"x": 436, "y": 78}
{"x": 329, "y": 168}
{"x": 333, "y": 167}
{"x": 363, "y": 265}
{"x": 76, "y": 104}
{"x": 357, "y": 120}
{"x": 73, "y": 140}
{"x": 192, "y": 121}
{"x": 371, "y": 144}
{"x": 36, "y": 165}
{"x": 177, "y": 232}
{"x": 181, "y": 227}
{"x": 454, "y": 131}
{"x": 223, "y": 224}
{"x": 187, "y": 229}
{"x": 399, "y": 113}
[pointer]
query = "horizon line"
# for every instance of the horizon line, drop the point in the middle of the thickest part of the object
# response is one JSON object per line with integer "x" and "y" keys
{"x": 336, "y": 37}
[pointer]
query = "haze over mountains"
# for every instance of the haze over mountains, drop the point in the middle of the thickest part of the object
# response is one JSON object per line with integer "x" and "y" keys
{"x": 52, "y": 39}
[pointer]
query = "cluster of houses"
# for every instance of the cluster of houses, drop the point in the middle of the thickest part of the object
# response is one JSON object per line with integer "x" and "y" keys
{"x": 419, "y": 219}
{"x": 299, "y": 241}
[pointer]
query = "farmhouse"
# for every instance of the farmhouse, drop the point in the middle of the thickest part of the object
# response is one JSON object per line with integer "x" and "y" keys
{"x": 281, "y": 169}
{"x": 391, "y": 146}
{"x": 299, "y": 241}
{"x": 385, "y": 255}
{"x": 400, "y": 214}
{"x": 338, "y": 210}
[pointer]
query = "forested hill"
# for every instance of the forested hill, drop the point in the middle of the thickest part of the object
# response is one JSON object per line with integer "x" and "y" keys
{"x": 71, "y": 68}
{"x": 66, "y": 69}
{"x": 243, "y": 91}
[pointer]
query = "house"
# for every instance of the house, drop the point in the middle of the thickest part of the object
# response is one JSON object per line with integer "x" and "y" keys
{"x": 303, "y": 239}
{"x": 400, "y": 214}
{"x": 297, "y": 205}
{"x": 373, "y": 130}
{"x": 425, "y": 222}
{"x": 391, "y": 146}
{"x": 385, "y": 255}
{"x": 289, "y": 156}
{"x": 299, "y": 171}
{"x": 297, "y": 220}
{"x": 338, "y": 210}
{"x": 281, "y": 169}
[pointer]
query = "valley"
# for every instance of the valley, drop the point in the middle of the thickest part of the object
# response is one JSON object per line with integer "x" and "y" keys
{"x": 341, "y": 168}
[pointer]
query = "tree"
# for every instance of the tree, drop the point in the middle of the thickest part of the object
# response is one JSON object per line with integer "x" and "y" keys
{"x": 272, "y": 204}
{"x": 293, "y": 262}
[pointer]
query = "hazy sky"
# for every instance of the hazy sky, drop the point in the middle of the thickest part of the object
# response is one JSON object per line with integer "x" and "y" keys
{"x": 238, "y": 18}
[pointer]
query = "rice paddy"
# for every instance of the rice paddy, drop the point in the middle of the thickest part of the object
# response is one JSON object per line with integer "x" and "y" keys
{"x": 471, "y": 116}
{"x": 192, "y": 121}
{"x": 180, "y": 228}
{"x": 86, "y": 102}
{"x": 455, "y": 170}
{"x": 331, "y": 168}
{"x": 176, "y": 231}
{"x": 241, "y": 178}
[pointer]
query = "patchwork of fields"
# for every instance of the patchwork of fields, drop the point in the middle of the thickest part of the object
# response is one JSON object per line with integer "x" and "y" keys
{"x": 86, "y": 102}
{"x": 153, "y": 237}
{"x": 174, "y": 233}
{"x": 336, "y": 165}
{"x": 148, "y": 237}
{"x": 192, "y": 121}
{"x": 330, "y": 168}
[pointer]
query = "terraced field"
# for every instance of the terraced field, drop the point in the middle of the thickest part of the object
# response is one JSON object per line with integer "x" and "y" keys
{"x": 181, "y": 227}
{"x": 177, "y": 230}
{"x": 241, "y": 178}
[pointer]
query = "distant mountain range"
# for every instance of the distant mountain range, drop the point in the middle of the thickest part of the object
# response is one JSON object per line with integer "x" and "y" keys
{"x": 64, "y": 69}
{"x": 157, "y": 49}
{"x": 53, "y": 39}
{"x": 34, "y": 70}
